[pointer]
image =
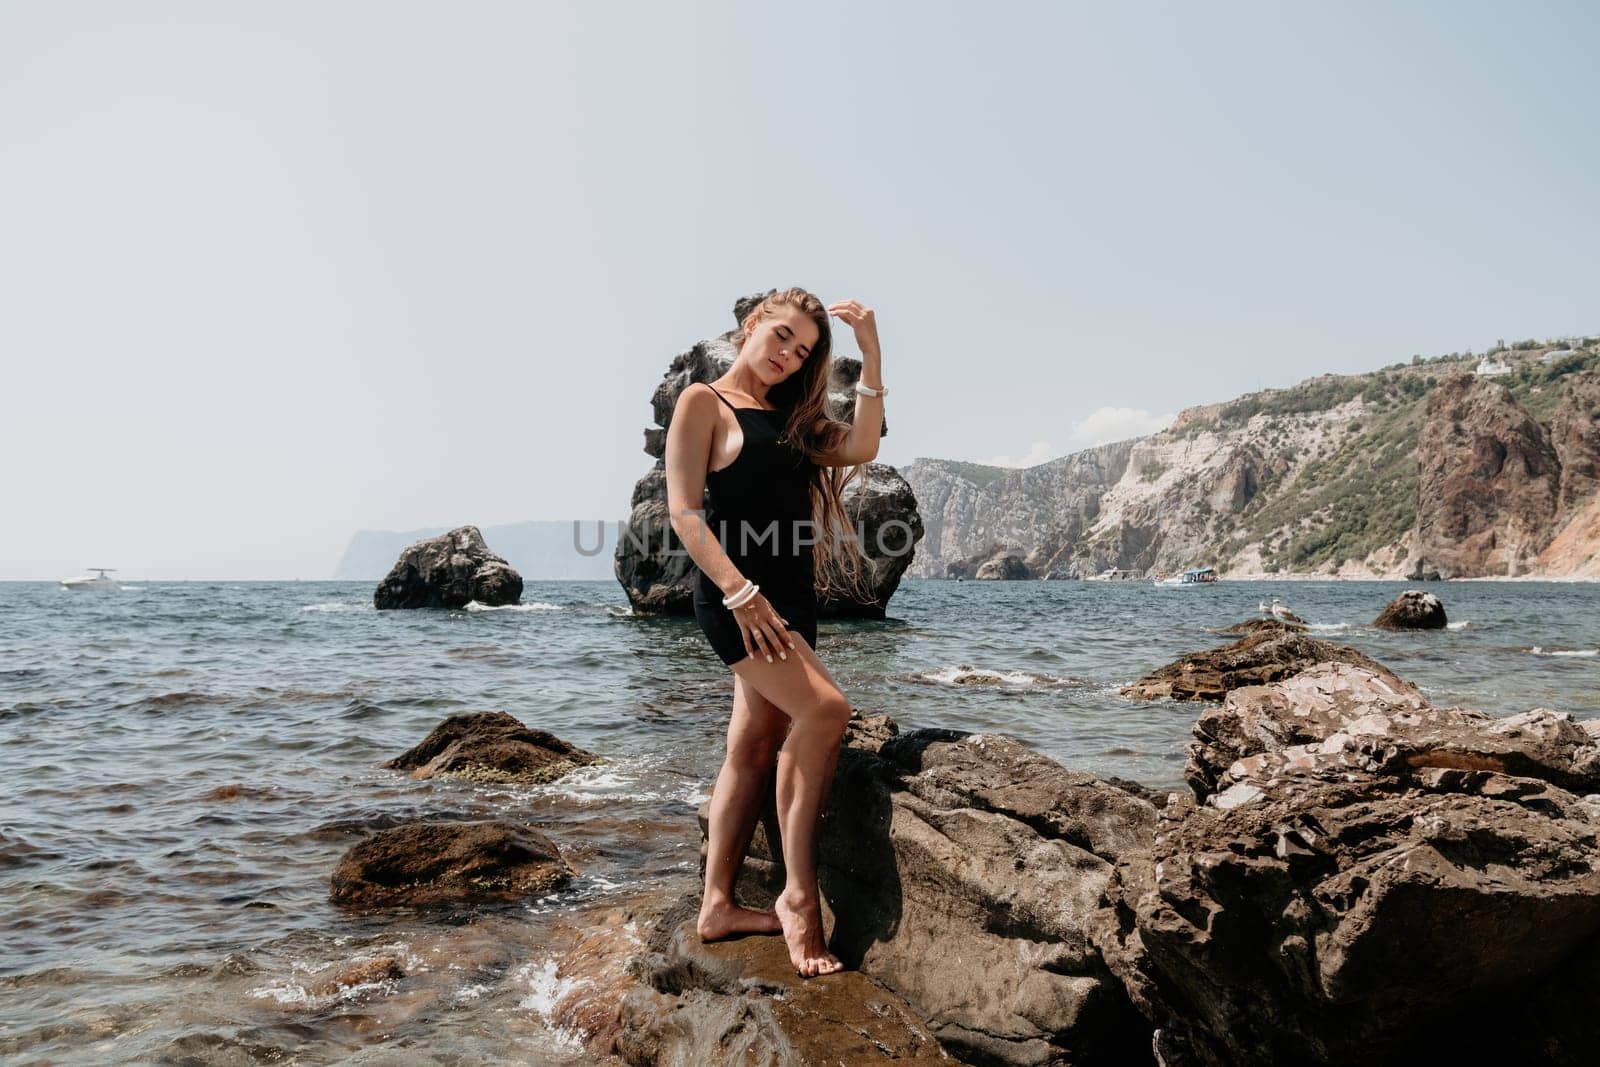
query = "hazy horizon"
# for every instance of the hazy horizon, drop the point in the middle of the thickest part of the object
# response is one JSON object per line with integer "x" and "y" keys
{"x": 276, "y": 274}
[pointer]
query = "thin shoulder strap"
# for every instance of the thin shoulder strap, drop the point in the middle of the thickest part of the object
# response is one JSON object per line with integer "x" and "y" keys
{"x": 722, "y": 398}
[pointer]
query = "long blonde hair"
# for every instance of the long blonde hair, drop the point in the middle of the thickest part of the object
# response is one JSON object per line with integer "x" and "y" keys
{"x": 843, "y": 570}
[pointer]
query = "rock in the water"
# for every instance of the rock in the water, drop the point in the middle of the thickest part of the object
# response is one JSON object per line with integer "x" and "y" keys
{"x": 1366, "y": 876}
{"x": 1412, "y": 610}
{"x": 449, "y": 571}
{"x": 432, "y": 864}
{"x": 974, "y": 876}
{"x": 738, "y": 1002}
{"x": 491, "y": 746}
{"x": 1265, "y": 655}
{"x": 658, "y": 575}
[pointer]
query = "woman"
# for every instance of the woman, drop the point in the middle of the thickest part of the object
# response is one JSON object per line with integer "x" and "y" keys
{"x": 758, "y": 449}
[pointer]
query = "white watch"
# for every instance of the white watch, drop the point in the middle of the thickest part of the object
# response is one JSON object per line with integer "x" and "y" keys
{"x": 867, "y": 390}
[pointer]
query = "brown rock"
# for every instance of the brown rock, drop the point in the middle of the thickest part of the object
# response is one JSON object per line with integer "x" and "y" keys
{"x": 431, "y": 864}
{"x": 1273, "y": 625}
{"x": 739, "y": 1002}
{"x": 491, "y": 746}
{"x": 1575, "y": 434}
{"x": 1266, "y": 655}
{"x": 1412, "y": 610}
{"x": 1489, "y": 477}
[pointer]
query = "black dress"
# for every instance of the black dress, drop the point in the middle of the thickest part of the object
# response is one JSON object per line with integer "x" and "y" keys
{"x": 759, "y": 509}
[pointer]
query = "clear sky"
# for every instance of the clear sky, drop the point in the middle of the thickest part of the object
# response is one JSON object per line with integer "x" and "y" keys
{"x": 273, "y": 272}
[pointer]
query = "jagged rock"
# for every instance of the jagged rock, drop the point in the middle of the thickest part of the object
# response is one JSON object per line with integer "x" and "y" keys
{"x": 658, "y": 575}
{"x": 1369, "y": 874}
{"x": 1486, "y": 500}
{"x": 491, "y": 746}
{"x": 1412, "y": 610}
{"x": 432, "y": 864}
{"x": 449, "y": 571}
{"x": 1255, "y": 659}
{"x": 1575, "y": 434}
{"x": 946, "y": 856}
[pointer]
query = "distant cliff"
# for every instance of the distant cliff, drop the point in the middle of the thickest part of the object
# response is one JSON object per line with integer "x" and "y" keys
{"x": 1474, "y": 466}
{"x": 538, "y": 550}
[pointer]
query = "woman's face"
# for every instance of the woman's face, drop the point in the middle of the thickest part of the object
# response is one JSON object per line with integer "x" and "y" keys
{"x": 780, "y": 343}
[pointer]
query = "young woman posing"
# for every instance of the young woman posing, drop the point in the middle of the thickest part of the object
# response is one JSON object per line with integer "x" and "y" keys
{"x": 758, "y": 450}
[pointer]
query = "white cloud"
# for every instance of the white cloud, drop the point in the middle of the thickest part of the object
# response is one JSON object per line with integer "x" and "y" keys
{"x": 1040, "y": 452}
{"x": 1117, "y": 424}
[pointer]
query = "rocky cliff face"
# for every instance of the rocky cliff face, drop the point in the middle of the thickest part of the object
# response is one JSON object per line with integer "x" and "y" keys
{"x": 1360, "y": 476}
{"x": 1489, "y": 480}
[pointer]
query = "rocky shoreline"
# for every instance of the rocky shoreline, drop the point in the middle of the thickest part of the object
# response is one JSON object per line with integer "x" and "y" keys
{"x": 1353, "y": 875}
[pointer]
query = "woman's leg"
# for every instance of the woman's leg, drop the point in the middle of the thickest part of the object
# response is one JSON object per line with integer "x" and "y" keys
{"x": 754, "y": 734}
{"x": 804, "y": 690}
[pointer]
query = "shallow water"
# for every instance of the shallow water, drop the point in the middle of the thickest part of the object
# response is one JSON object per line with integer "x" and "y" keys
{"x": 189, "y": 761}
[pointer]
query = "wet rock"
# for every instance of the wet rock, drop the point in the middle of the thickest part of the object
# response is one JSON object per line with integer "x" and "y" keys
{"x": 947, "y": 856}
{"x": 650, "y": 563}
{"x": 449, "y": 571}
{"x": 491, "y": 746}
{"x": 741, "y": 1002}
{"x": 344, "y": 976}
{"x": 430, "y": 864}
{"x": 1266, "y": 655}
{"x": 1412, "y": 610}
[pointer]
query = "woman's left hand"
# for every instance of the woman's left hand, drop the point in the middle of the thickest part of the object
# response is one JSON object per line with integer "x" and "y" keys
{"x": 862, "y": 320}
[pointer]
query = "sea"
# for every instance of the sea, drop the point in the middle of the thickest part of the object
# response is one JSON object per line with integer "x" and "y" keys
{"x": 185, "y": 763}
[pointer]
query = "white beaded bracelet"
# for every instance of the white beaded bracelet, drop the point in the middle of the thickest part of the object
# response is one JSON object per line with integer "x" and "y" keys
{"x": 743, "y": 596}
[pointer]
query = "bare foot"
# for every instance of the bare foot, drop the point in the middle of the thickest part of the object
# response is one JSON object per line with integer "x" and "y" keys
{"x": 802, "y": 932}
{"x": 719, "y": 921}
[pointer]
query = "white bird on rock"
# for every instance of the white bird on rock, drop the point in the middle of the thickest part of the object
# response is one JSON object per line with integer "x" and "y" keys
{"x": 1281, "y": 612}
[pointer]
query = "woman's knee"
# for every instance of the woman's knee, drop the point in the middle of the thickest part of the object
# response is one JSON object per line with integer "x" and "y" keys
{"x": 834, "y": 709}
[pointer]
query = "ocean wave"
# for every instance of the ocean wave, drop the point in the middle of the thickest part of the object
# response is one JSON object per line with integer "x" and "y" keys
{"x": 537, "y": 605}
{"x": 635, "y": 779}
{"x": 1330, "y": 627}
{"x": 340, "y": 605}
{"x": 1582, "y": 653}
{"x": 546, "y": 990}
{"x": 967, "y": 675}
{"x": 1462, "y": 625}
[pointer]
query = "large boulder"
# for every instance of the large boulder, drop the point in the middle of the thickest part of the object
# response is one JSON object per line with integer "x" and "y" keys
{"x": 1266, "y": 654}
{"x": 1412, "y": 610}
{"x": 1488, "y": 480}
{"x": 449, "y": 571}
{"x": 651, "y": 565}
{"x": 435, "y": 864}
{"x": 1365, "y": 879}
{"x": 972, "y": 876}
{"x": 491, "y": 746}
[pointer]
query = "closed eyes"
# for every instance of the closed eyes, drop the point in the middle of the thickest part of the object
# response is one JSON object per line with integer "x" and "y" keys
{"x": 784, "y": 334}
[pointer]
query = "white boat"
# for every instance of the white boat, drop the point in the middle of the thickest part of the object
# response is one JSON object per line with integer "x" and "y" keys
{"x": 1110, "y": 574}
{"x": 99, "y": 581}
{"x": 1194, "y": 578}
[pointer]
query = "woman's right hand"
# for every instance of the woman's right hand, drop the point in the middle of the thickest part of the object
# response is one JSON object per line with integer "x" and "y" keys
{"x": 763, "y": 629}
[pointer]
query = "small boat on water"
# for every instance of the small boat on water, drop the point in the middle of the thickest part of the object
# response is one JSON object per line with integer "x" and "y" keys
{"x": 1197, "y": 576}
{"x": 98, "y": 582}
{"x": 1111, "y": 574}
